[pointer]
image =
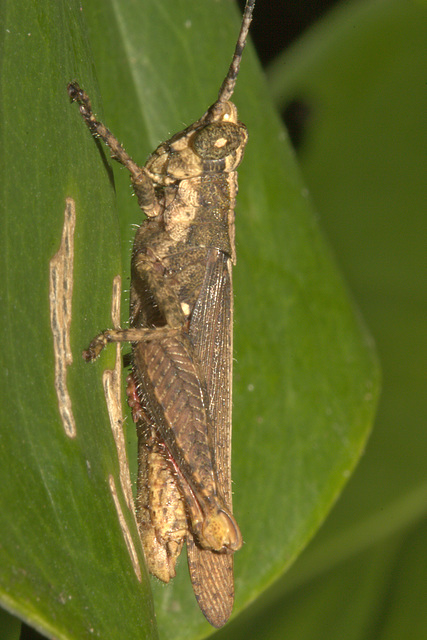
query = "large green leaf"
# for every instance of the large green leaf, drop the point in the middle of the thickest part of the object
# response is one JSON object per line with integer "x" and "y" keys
{"x": 305, "y": 373}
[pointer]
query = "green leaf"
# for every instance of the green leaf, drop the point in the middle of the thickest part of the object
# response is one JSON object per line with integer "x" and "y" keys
{"x": 306, "y": 378}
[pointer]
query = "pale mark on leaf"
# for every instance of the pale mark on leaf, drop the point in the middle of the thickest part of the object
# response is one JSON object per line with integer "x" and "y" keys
{"x": 125, "y": 529}
{"x": 60, "y": 301}
{"x": 111, "y": 381}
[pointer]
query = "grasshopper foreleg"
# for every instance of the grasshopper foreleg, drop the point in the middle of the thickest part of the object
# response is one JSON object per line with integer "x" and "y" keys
{"x": 142, "y": 183}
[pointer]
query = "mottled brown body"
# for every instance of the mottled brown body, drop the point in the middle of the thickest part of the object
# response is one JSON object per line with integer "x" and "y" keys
{"x": 181, "y": 332}
{"x": 160, "y": 505}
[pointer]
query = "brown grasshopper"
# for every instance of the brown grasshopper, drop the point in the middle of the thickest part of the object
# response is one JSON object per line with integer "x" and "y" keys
{"x": 181, "y": 314}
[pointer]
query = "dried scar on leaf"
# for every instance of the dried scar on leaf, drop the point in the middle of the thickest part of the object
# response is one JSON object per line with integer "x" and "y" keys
{"x": 60, "y": 300}
{"x": 125, "y": 529}
{"x": 111, "y": 380}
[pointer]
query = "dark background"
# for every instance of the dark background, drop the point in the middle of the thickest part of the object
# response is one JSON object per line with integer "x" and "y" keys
{"x": 277, "y": 23}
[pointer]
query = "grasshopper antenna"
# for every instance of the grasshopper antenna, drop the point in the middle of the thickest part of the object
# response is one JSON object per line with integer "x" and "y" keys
{"x": 227, "y": 87}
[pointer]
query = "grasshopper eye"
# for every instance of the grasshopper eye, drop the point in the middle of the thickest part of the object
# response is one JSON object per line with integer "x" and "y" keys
{"x": 218, "y": 140}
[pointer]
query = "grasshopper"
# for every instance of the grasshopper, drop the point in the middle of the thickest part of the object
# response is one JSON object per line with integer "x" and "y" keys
{"x": 181, "y": 314}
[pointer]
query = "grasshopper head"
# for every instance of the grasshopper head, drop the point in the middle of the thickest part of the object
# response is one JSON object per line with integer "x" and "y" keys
{"x": 214, "y": 144}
